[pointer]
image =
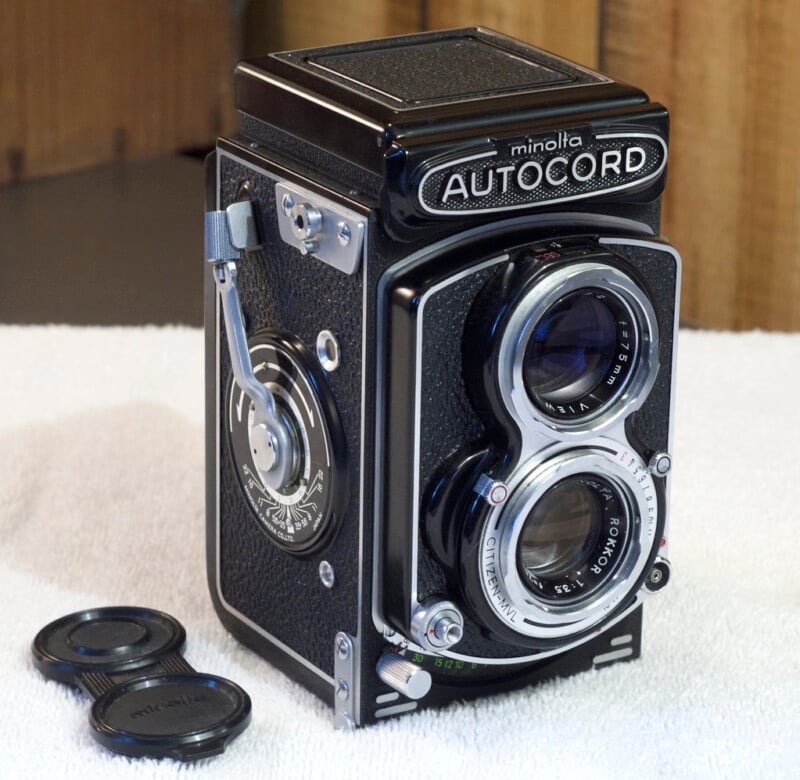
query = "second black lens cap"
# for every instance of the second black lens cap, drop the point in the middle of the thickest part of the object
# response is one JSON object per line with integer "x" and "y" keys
{"x": 185, "y": 716}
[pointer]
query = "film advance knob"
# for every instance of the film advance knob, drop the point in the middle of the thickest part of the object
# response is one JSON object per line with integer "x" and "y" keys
{"x": 406, "y": 678}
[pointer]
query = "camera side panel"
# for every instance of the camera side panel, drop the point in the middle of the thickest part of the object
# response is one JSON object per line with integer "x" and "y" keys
{"x": 273, "y": 599}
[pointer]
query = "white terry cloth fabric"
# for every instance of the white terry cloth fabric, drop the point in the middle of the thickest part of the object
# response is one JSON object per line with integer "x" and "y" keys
{"x": 101, "y": 502}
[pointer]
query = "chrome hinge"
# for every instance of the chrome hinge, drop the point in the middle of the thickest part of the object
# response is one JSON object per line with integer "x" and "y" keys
{"x": 227, "y": 233}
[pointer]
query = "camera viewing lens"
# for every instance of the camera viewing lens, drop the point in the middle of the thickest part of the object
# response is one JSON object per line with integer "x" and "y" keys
{"x": 579, "y": 348}
{"x": 572, "y": 349}
{"x": 573, "y": 537}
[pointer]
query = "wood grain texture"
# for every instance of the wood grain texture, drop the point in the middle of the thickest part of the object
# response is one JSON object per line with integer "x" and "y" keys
{"x": 280, "y": 25}
{"x": 567, "y": 27}
{"x": 89, "y": 81}
{"x": 728, "y": 71}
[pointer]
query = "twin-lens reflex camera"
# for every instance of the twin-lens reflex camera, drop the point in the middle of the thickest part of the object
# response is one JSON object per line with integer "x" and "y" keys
{"x": 440, "y": 356}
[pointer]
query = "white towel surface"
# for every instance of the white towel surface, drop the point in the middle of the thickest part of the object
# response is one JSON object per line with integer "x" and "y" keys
{"x": 101, "y": 502}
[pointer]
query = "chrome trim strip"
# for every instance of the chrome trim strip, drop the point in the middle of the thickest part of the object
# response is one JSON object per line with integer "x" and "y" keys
{"x": 385, "y": 712}
{"x": 612, "y": 655}
{"x": 362, "y": 480}
{"x": 623, "y": 639}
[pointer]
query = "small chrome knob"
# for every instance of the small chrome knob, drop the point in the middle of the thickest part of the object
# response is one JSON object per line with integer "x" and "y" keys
{"x": 402, "y": 675}
{"x": 660, "y": 464}
{"x": 447, "y": 631}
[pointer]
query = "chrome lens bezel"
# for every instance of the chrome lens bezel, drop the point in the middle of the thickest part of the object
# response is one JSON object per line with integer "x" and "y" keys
{"x": 521, "y": 324}
{"x": 511, "y": 599}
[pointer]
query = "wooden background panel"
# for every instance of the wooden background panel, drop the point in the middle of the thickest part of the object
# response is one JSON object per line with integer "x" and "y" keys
{"x": 568, "y": 27}
{"x": 87, "y": 81}
{"x": 278, "y": 25}
{"x": 728, "y": 71}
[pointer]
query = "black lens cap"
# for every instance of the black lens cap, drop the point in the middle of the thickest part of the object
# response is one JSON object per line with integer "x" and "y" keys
{"x": 108, "y": 640}
{"x": 184, "y": 716}
{"x": 148, "y": 699}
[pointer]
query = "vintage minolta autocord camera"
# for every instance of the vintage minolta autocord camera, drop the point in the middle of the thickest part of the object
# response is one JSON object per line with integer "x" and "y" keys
{"x": 440, "y": 347}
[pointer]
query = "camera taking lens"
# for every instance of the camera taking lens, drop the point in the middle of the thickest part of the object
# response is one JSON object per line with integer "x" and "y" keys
{"x": 561, "y": 536}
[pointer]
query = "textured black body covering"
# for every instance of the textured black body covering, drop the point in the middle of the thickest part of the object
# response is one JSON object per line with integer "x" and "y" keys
{"x": 268, "y": 598}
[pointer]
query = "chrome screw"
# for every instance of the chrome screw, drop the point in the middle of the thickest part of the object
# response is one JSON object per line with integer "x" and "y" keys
{"x": 287, "y": 203}
{"x": 343, "y": 647}
{"x": 660, "y": 464}
{"x": 326, "y": 574}
{"x": 343, "y": 233}
{"x": 658, "y": 576}
{"x": 342, "y": 690}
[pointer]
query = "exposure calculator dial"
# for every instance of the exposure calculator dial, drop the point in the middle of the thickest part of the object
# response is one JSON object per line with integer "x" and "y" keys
{"x": 303, "y": 515}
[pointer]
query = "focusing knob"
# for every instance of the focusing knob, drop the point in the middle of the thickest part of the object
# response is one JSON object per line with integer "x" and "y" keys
{"x": 402, "y": 675}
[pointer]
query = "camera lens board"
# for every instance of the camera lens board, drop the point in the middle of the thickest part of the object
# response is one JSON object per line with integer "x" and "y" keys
{"x": 300, "y": 517}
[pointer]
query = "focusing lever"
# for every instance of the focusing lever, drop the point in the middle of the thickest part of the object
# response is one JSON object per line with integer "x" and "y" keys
{"x": 227, "y": 233}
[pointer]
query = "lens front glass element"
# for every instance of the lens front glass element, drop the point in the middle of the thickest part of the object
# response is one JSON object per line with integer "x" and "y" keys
{"x": 573, "y": 538}
{"x": 580, "y": 354}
